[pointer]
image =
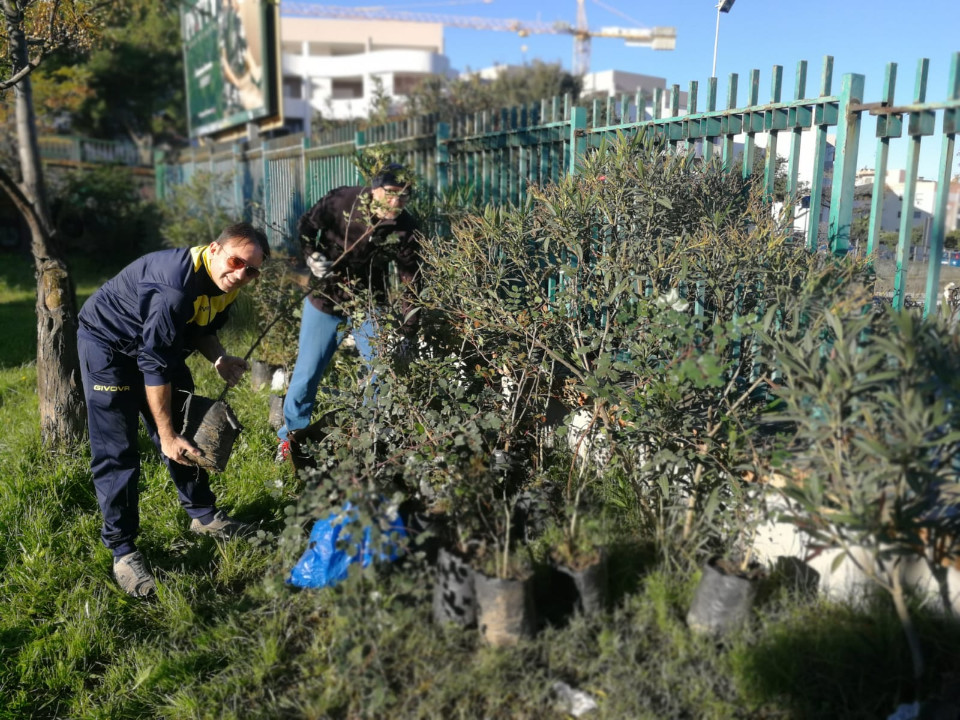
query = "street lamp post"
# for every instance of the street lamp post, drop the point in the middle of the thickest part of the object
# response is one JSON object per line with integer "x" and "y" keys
{"x": 722, "y": 7}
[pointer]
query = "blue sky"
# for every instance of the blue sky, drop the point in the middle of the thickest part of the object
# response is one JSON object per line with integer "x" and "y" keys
{"x": 861, "y": 35}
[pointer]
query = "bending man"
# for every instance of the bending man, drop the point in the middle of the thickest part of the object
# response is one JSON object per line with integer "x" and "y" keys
{"x": 348, "y": 240}
{"x": 134, "y": 337}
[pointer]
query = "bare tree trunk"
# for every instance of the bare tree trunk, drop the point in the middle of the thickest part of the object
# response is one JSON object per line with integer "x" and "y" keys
{"x": 62, "y": 412}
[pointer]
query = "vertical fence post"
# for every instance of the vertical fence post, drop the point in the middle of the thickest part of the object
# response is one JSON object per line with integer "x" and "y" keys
{"x": 711, "y": 126}
{"x": 159, "y": 175}
{"x": 237, "y": 180}
{"x": 305, "y": 187}
{"x": 951, "y": 121}
{"x": 267, "y": 214}
{"x": 797, "y": 123}
{"x": 919, "y": 124}
{"x": 578, "y": 137}
{"x": 750, "y": 143}
{"x": 443, "y": 157}
{"x": 888, "y": 126}
{"x": 845, "y": 164}
{"x": 822, "y": 122}
{"x": 730, "y": 125}
{"x": 690, "y": 132}
{"x": 774, "y": 121}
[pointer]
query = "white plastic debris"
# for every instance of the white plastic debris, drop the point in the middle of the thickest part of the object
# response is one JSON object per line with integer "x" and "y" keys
{"x": 574, "y": 702}
{"x": 278, "y": 381}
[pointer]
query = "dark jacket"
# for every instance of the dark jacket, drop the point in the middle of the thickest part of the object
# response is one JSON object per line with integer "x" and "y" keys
{"x": 342, "y": 227}
{"x": 153, "y": 309}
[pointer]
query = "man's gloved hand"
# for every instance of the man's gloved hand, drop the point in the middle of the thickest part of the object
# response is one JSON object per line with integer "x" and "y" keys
{"x": 406, "y": 350}
{"x": 319, "y": 265}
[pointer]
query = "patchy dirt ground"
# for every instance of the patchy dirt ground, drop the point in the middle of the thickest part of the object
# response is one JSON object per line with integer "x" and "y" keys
{"x": 916, "y": 276}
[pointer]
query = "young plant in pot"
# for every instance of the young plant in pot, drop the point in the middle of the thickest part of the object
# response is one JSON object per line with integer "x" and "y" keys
{"x": 575, "y": 545}
{"x": 575, "y": 555}
{"x": 728, "y": 584}
{"x": 442, "y": 422}
{"x": 476, "y": 554}
{"x": 503, "y": 578}
{"x": 875, "y": 402}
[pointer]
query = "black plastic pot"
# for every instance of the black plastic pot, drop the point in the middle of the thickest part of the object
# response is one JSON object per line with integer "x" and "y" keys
{"x": 454, "y": 597}
{"x": 210, "y": 424}
{"x": 275, "y": 417}
{"x": 261, "y": 374}
{"x": 505, "y": 609}
{"x": 723, "y": 598}
{"x": 590, "y": 582}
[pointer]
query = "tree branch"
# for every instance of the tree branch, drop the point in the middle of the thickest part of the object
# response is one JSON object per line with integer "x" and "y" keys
{"x": 20, "y": 74}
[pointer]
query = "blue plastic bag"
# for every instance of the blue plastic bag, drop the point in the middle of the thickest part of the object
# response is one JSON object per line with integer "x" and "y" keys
{"x": 324, "y": 564}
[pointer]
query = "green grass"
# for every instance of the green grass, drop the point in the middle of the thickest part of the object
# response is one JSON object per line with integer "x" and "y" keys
{"x": 225, "y": 638}
{"x": 18, "y": 297}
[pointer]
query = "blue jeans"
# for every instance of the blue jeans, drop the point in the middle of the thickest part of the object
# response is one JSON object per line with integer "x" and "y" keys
{"x": 113, "y": 388}
{"x": 319, "y": 340}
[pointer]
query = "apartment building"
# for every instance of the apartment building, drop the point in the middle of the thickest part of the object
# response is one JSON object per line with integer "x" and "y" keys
{"x": 894, "y": 186}
{"x": 953, "y": 205}
{"x": 339, "y": 68}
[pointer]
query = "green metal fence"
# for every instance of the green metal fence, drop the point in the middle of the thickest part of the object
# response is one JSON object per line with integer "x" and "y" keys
{"x": 76, "y": 150}
{"x": 499, "y": 154}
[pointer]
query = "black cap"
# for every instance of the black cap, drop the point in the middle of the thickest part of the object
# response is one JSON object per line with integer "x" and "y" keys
{"x": 390, "y": 175}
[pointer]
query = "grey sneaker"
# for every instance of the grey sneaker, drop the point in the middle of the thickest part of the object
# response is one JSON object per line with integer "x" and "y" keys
{"x": 221, "y": 526}
{"x": 132, "y": 575}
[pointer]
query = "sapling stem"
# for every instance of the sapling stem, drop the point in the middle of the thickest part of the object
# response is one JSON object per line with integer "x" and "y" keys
{"x": 913, "y": 640}
{"x": 506, "y": 539}
{"x": 692, "y": 503}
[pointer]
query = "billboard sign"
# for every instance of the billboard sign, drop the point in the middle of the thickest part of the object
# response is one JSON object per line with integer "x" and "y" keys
{"x": 230, "y": 53}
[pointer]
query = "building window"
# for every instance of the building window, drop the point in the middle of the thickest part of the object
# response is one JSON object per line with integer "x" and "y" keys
{"x": 916, "y": 214}
{"x": 405, "y": 84}
{"x": 293, "y": 88}
{"x": 347, "y": 89}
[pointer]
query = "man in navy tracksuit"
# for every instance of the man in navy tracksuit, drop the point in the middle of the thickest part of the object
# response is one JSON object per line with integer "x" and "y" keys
{"x": 134, "y": 337}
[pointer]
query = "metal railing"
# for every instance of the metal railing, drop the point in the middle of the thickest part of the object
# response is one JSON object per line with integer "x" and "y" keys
{"x": 500, "y": 153}
{"x": 75, "y": 150}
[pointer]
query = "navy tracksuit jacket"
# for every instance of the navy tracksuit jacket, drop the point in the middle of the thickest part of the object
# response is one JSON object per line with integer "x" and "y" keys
{"x": 137, "y": 330}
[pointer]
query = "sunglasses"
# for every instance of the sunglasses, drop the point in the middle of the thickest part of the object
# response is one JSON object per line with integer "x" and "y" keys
{"x": 236, "y": 263}
{"x": 402, "y": 194}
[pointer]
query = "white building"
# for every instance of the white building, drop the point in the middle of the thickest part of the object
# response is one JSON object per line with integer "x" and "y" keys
{"x": 617, "y": 83}
{"x": 894, "y": 187}
{"x": 338, "y": 68}
{"x": 953, "y": 205}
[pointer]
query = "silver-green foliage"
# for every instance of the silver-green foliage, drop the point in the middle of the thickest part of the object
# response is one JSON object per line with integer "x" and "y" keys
{"x": 632, "y": 289}
{"x": 875, "y": 406}
{"x": 196, "y": 211}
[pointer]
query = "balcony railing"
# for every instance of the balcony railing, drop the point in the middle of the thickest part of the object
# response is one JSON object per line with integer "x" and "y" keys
{"x": 71, "y": 149}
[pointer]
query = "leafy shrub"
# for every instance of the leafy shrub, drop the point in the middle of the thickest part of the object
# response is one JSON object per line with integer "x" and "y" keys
{"x": 100, "y": 212}
{"x": 875, "y": 405}
{"x": 277, "y": 300}
{"x": 632, "y": 290}
{"x": 196, "y": 211}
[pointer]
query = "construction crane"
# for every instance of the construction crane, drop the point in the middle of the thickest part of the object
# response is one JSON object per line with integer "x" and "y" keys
{"x": 658, "y": 38}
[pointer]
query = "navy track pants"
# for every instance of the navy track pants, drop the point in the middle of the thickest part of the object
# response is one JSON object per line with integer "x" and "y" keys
{"x": 116, "y": 399}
